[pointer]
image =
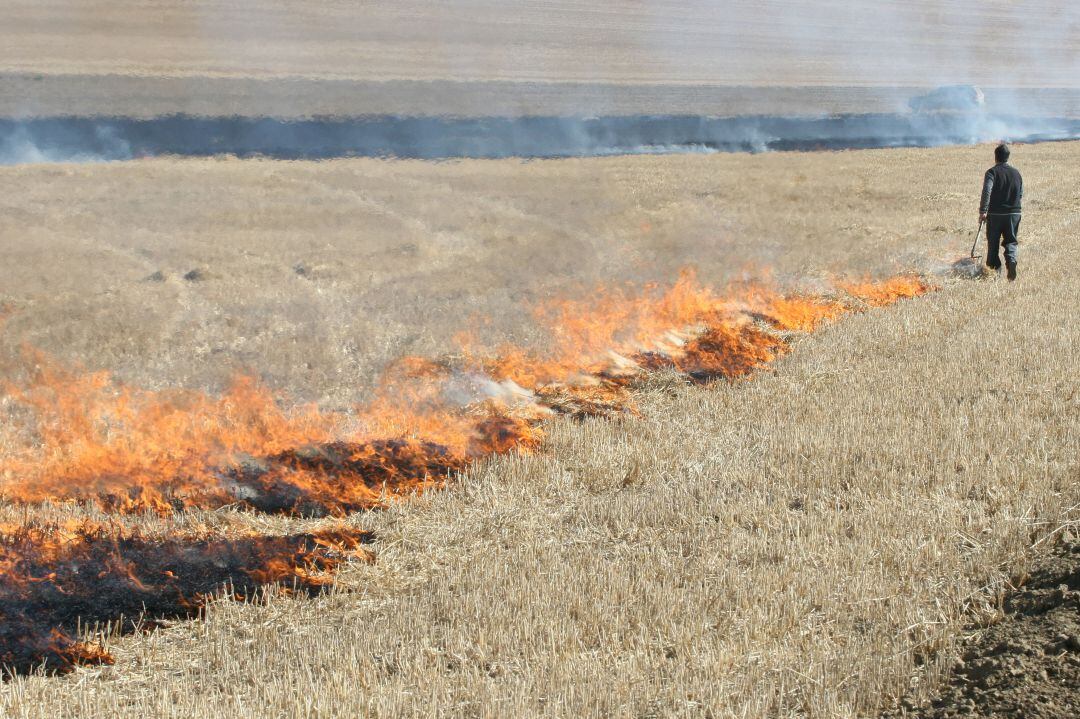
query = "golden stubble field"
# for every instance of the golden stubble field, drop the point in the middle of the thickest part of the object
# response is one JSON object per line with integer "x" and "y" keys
{"x": 779, "y": 42}
{"x": 290, "y": 58}
{"x": 811, "y": 541}
{"x": 315, "y": 275}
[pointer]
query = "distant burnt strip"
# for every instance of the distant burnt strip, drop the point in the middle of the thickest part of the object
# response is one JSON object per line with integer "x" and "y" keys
{"x": 56, "y": 139}
{"x": 54, "y": 585}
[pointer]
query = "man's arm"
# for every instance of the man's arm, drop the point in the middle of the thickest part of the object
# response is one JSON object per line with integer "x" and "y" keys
{"x": 988, "y": 187}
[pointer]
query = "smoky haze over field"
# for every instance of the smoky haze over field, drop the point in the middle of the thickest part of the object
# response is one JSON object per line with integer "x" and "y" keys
{"x": 102, "y": 139}
{"x": 1031, "y": 44}
{"x": 629, "y": 64}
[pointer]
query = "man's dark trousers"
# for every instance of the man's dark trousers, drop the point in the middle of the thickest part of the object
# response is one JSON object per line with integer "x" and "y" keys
{"x": 999, "y": 228}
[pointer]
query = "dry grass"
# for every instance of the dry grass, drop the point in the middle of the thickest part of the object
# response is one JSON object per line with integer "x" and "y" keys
{"x": 488, "y": 57}
{"x": 30, "y": 94}
{"x": 741, "y": 42}
{"x": 792, "y": 545}
{"x": 397, "y": 257}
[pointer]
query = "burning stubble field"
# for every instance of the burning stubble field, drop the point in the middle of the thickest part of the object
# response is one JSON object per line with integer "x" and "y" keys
{"x": 730, "y": 515}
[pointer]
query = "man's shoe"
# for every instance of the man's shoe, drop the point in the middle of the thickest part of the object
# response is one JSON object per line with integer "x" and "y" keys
{"x": 1012, "y": 272}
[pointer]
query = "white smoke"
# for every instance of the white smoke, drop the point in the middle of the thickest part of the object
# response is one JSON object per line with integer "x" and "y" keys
{"x": 20, "y": 145}
{"x": 889, "y": 50}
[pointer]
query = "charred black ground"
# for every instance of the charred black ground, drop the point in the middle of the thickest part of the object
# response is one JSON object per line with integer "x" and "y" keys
{"x": 53, "y": 139}
{"x": 52, "y": 588}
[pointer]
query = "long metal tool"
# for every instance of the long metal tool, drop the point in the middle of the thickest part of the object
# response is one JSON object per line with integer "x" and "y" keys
{"x": 976, "y": 242}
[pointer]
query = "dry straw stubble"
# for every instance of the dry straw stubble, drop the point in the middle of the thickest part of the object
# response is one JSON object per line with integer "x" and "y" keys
{"x": 794, "y": 544}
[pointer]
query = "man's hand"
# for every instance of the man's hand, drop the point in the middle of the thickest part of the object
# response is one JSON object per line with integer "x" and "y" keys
{"x": 982, "y": 217}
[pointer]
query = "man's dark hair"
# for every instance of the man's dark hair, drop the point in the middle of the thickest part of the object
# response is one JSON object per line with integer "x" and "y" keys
{"x": 1001, "y": 153}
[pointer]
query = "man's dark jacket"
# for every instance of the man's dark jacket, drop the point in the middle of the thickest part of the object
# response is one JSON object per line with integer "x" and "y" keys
{"x": 1003, "y": 189}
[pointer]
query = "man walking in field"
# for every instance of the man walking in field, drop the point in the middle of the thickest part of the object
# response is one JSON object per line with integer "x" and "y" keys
{"x": 1003, "y": 189}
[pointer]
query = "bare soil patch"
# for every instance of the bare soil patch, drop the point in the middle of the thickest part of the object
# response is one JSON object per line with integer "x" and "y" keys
{"x": 1028, "y": 664}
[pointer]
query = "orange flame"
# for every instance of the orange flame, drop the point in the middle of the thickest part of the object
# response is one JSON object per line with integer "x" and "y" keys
{"x": 130, "y": 449}
{"x": 125, "y": 449}
{"x": 879, "y": 293}
{"x": 624, "y": 323}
